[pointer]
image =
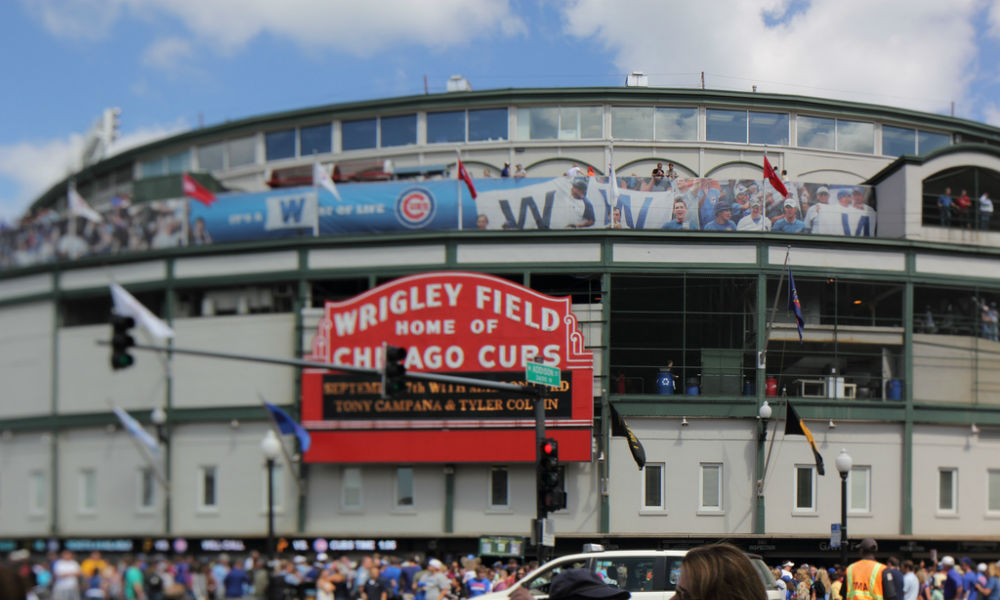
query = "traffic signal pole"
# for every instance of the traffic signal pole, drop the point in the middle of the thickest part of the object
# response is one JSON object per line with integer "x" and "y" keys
{"x": 540, "y": 511}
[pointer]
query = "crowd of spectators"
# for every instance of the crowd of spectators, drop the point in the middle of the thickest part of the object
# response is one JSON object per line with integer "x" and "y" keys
{"x": 320, "y": 576}
{"x": 923, "y": 580}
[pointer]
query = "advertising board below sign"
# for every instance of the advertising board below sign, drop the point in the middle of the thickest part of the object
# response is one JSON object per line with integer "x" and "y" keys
{"x": 465, "y": 324}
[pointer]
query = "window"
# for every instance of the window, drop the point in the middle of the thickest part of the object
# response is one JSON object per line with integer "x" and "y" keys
{"x": 211, "y": 157}
{"x": 242, "y": 151}
{"x": 948, "y": 490}
{"x": 277, "y": 487}
{"x": 37, "y": 493}
{"x": 147, "y": 489}
{"x": 539, "y": 123}
{"x": 350, "y": 496}
{"x": 179, "y": 163}
{"x": 279, "y": 144}
{"x": 87, "y": 491}
{"x": 446, "y": 127}
{"x": 855, "y": 136}
{"x": 208, "y": 496}
{"x": 711, "y": 487}
{"x": 399, "y": 131}
{"x": 859, "y": 489}
{"x": 404, "y": 487}
{"x": 358, "y": 135}
{"x": 499, "y": 496}
{"x": 993, "y": 491}
{"x": 726, "y": 125}
{"x": 675, "y": 124}
{"x": 897, "y": 141}
{"x": 805, "y": 489}
{"x": 816, "y": 132}
{"x": 632, "y": 122}
{"x": 317, "y": 139}
{"x": 928, "y": 141}
{"x": 633, "y": 573}
{"x": 487, "y": 124}
{"x": 769, "y": 128}
{"x": 652, "y": 487}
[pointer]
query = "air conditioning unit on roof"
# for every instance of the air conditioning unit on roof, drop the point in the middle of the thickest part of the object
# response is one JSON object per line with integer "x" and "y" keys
{"x": 636, "y": 79}
{"x": 457, "y": 83}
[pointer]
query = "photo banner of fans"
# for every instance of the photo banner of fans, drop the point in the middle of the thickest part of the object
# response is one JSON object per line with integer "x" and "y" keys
{"x": 696, "y": 204}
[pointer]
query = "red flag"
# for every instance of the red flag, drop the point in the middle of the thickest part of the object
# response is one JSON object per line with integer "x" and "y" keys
{"x": 464, "y": 176}
{"x": 774, "y": 179}
{"x": 197, "y": 191}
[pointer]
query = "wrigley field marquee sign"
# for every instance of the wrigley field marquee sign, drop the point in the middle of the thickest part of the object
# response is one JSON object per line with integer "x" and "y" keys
{"x": 454, "y": 323}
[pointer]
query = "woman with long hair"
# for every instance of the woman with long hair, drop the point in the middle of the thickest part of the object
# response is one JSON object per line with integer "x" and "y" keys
{"x": 719, "y": 572}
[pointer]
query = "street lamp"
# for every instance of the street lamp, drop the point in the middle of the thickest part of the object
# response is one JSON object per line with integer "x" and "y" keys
{"x": 764, "y": 413}
{"x": 844, "y": 464}
{"x": 159, "y": 419}
{"x": 271, "y": 447}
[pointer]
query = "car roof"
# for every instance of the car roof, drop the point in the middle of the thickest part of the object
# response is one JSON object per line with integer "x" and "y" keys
{"x": 617, "y": 553}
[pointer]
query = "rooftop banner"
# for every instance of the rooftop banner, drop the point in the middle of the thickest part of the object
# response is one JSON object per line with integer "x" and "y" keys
{"x": 719, "y": 205}
{"x": 455, "y": 323}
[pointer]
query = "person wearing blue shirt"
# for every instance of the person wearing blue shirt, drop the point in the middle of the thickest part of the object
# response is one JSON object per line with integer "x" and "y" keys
{"x": 944, "y": 207}
{"x": 789, "y": 223}
{"x": 969, "y": 578}
{"x": 680, "y": 221}
{"x": 236, "y": 582}
{"x": 723, "y": 218}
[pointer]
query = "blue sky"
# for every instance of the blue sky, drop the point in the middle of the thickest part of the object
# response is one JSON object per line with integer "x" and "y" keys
{"x": 172, "y": 63}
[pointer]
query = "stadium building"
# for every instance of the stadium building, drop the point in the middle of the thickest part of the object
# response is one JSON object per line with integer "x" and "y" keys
{"x": 681, "y": 326}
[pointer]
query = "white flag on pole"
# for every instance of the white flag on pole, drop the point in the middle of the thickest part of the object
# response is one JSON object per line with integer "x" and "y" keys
{"x": 136, "y": 430}
{"x": 126, "y": 305}
{"x": 321, "y": 178}
{"x": 79, "y": 207}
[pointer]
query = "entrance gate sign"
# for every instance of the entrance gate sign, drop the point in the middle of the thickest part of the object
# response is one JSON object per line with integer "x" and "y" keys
{"x": 454, "y": 323}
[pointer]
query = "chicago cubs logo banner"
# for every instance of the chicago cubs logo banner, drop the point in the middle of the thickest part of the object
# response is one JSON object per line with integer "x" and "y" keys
{"x": 454, "y": 323}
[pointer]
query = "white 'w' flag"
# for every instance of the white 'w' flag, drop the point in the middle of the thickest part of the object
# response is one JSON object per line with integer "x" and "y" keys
{"x": 79, "y": 207}
{"x": 321, "y": 178}
{"x": 136, "y": 430}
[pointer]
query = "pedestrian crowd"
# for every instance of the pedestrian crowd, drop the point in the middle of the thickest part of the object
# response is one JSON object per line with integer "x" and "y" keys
{"x": 370, "y": 577}
{"x": 946, "y": 579}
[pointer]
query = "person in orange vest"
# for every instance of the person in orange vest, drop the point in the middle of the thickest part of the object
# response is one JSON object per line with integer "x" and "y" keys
{"x": 868, "y": 579}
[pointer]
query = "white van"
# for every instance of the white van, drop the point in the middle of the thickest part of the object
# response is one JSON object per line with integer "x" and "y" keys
{"x": 647, "y": 574}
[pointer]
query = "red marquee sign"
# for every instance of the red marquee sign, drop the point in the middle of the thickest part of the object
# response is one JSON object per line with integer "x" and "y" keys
{"x": 466, "y": 324}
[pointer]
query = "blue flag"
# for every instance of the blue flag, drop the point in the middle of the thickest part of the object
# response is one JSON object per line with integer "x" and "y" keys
{"x": 794, "y": 305}
{"x": 288, "y": 425}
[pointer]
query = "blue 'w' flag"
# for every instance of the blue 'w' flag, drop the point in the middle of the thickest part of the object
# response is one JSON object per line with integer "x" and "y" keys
{"x": 288, "y": 425}
{"x": 794, "y": 305}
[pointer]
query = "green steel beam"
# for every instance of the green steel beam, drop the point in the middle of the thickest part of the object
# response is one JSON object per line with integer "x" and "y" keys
{"x": 760, "y": 512}
{"x": 907, "y": 466}
{"x": 605, "y": 433}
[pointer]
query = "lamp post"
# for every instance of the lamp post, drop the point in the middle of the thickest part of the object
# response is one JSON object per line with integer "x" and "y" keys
{"x": 271, "y": 447}
{"x": 844, "y": 464}
{"x": 763, "y": 414}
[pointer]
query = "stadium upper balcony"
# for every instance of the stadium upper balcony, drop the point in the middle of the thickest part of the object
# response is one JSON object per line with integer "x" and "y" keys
{"x": 715, "y": 139}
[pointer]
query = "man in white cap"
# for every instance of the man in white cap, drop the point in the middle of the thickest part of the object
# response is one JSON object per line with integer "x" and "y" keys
{"x": 434, "y": 582}
{"x": 952, "y": 588}
{"x": 790, "y": 222}
{"x": 822, "y": 199}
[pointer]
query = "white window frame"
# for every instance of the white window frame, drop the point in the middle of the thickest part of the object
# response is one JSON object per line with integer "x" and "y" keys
{"x": 86, "y": 491}
{"x": 796, "y": 473}
{"x": 505, "y": 507}
{"x": 279, "y": 487}
{"x": 864, "y": 472}
{"x": 38, "y": 497}
{"x": 144, "y": 476}
{"x": 396, "y": 491}
{"x": 350, "y": 479}
{"x": 954, "y": 491}
{"x": 991, "y": 512}
{"x": 702, "y": 508}
{"x": 203, "y": 473}
{"x": 662, "y": 485}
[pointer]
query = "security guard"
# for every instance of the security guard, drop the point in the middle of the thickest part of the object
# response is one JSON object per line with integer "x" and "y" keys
{"x": 868, "y": 579}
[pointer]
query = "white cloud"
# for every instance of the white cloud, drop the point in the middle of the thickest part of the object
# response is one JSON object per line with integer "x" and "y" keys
{"x": 167, "y": 54}
{"x": 75, "y": 19}
{"x": 32, "y": 167}
{"x": 993, "y": 18}
{"x": 912, "y": 53}
{"x": 359, "y": 28}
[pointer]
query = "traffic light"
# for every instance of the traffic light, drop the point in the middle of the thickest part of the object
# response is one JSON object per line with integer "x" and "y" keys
{"x": 551, "y": 496}
{"x": 121, "y": 341}
{"x": 393, "y": 371}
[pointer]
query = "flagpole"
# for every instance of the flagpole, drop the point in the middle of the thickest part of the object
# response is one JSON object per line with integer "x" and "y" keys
{"x": 762, "y": 360}
{"x": 278, "y": 433}
{"x": 458, "y": 182}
